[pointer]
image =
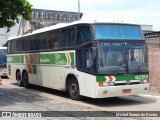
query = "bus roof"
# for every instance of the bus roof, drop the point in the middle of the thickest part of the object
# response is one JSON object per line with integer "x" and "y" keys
{"x": 63, "y": 25}
{"x": 3, "y": 47}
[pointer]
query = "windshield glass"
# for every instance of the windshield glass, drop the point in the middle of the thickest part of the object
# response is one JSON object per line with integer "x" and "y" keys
{"x": 118, "y": 31}
{"x": 3, "y": 58}
{"x": 121, "y": 57}
{"x": 136, "y": 57}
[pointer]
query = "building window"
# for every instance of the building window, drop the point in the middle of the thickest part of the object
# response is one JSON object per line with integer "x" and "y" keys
{"x": 60, "y": 16}
{"x": 55, "y": 16}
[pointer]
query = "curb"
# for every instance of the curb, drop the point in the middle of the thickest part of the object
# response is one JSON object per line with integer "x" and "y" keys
{"x": 150, "y": 96}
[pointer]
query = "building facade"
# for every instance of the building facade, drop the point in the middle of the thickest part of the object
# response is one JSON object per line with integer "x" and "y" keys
{"x": 44, "y": 18}
{"x": 40, "y": 18}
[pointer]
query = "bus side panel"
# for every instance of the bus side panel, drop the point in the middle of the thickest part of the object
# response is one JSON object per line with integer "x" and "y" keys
{"x": 11, "y": 71}
{"x": 90, "y": 85}
{"x": 87, "y": 84}
{"x": 54, "y": 76}
{"x": 14, "y": 64}
{"x": 42, "y": 75}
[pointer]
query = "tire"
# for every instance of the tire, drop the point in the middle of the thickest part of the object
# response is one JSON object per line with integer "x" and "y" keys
{"x": 73, "y": 88}
{"x": 19, "y": 80}
{"x": 25, "y": 80}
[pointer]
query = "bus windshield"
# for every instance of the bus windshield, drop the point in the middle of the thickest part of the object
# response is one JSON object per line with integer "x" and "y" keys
{"x": 121, "y": 57}
{"x": 3, "y": 58}
{"x": 117, "y": 31}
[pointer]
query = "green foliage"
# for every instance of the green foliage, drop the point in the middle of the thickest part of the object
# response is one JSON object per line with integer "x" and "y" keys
{"x": 10, "y": 10}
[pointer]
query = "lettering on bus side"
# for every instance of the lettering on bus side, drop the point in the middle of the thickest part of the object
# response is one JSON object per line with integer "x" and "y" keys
{"x": 45, "y": 60}
{"x": 59, "y": 60}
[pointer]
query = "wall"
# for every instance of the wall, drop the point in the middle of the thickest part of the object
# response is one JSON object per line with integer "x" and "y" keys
{"x": 153, "y": 45}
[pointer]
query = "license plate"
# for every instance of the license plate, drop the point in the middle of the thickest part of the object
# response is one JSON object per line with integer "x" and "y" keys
{"x": 4, "y": 74}
{"x": 126, "y": 91}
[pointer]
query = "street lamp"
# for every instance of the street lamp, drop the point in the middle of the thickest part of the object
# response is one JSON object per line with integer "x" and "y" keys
{"x": 78, "y": 9}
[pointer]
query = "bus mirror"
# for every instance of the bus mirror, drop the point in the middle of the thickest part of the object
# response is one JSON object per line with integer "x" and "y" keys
{"x": 94, "y": 52}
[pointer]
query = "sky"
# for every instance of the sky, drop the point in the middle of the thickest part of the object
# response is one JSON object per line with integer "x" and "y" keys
{"x": 129, "y": 11}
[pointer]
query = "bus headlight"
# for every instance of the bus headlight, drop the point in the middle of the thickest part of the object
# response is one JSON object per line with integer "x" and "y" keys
{"x": 105, "y": 84}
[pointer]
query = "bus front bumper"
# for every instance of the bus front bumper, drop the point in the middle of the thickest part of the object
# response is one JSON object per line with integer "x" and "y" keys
{"x": 4, "y": 74}
{"x": 115, "y": 91}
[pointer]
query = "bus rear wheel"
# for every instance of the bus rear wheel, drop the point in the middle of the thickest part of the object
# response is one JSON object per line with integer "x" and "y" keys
{"x": 18, "y": 78}
{"x": 25, "y": 80}
{"x": 74, "y": 89}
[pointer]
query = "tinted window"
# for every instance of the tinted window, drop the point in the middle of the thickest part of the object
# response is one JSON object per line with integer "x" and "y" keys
{"x": 54, "y": 41}
{"x": 42, "y": 40}
{"x": 64, "y": 38}
{"x": 68, "y": 37}
{"x": 71, "y": 37}
{"x": 33, "y": 42}
{"x": 25, "y": 44}
{"x": 12, "y": 46}
{"x": 83, "y": 34}
{"x": 9, "y": 47}
{"x": 18, "y": 45}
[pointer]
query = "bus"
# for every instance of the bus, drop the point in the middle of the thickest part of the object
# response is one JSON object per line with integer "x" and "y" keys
{"x": 93, "y": 59}
{"x": 3, "y": 61}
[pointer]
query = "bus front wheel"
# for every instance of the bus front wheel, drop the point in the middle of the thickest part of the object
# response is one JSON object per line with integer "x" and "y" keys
{"x": 25, "y": 80}
{"x": 18, "y": 77}
{"x": 74, "y": 89}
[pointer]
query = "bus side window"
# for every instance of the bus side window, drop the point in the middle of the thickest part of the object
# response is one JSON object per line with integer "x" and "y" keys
{"x": 54, "y": 40}
{"x": 12, "y": 46}
{"x": 83, "y": 34}
{"x": 89, "y": 58}
{"x": 79, "y": 59}
{"x": 18, "y": 45}
{"x": 57, "y": 40}
{"x": 71, "y": 37}
{"x": 42, "y": 40}
{"x": 64, "y": 38}
{"x": 51, "y": 40}
{"x": 33, "y": 42}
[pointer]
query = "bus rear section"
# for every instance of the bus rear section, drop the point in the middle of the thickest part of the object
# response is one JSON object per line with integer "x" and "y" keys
{"x": 3, "y": 60}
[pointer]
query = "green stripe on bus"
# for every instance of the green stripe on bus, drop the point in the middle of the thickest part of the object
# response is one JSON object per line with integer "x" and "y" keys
{"x": 123, "y": 77}
{"x": 22, "y": 58}
{"x": 47, "y": 58}
{"x": 14, "y": 59}
{"x": 100, "y": 78}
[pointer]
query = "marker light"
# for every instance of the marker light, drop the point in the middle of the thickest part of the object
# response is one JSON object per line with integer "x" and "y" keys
{"x": 100, "y": 84}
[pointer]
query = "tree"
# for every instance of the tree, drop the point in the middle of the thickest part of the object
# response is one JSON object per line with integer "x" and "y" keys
{"x": 11, "y": 10}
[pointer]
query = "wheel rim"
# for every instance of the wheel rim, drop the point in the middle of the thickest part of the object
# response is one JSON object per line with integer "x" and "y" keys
{"x": 18, "y": 79}
{"x": 74, "y": 89}
{"x": 25, "y": 79}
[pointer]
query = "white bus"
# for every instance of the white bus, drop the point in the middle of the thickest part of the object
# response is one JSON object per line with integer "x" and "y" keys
{"x": 3, "y": 61}
{"x": 96, "y": 60}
